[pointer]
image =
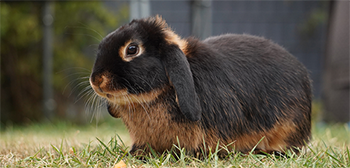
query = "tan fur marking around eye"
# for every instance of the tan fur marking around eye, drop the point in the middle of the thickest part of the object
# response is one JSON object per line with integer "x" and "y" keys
{"x": 122, "y": 50}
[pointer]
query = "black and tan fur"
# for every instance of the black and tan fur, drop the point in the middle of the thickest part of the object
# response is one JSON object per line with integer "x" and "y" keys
{"x": 232, "y": 89}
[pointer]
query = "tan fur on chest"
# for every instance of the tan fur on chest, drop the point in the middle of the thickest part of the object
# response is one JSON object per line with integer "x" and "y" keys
{"x": 152, "y": 124}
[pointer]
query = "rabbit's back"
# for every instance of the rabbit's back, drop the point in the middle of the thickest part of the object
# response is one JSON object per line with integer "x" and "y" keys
{"x": 248, "y": 86}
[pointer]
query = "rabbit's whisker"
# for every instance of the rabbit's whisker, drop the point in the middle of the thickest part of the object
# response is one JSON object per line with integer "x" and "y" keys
{"x": 141, "y": 104}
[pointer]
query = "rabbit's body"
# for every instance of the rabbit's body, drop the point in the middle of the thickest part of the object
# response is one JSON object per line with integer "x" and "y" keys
{"x": 242, "y": 89}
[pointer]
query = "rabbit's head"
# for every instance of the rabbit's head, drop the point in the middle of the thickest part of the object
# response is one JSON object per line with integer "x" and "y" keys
{"x": 137, "y": 61}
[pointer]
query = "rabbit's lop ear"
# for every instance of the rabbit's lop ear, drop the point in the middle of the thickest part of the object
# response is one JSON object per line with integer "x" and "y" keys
{"x": 180, "y": 77}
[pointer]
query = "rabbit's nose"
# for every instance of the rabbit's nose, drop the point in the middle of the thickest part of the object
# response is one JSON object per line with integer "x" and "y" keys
{"x": 98, "y": 82}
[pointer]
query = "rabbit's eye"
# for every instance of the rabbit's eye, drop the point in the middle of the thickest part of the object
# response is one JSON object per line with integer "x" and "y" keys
{"x": 132, "y": 49}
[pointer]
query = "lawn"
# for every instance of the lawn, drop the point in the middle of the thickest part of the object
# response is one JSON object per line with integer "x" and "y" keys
{"x": 62, "y": 144}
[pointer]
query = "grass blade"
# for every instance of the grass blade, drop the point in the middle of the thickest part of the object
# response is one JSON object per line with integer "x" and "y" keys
{"x": 106, "y": 147}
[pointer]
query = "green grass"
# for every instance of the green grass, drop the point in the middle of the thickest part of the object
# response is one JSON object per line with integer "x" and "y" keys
{"x": 61, "y": 144}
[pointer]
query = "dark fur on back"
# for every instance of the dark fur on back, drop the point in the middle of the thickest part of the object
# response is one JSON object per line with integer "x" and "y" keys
{"x": 248, "y": 95}
{"x": 232, "y": 89}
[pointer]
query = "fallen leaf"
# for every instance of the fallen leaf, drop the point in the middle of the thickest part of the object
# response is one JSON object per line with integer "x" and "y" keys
{"x": 71, "y": 151}
{"x": 121, "y": 164}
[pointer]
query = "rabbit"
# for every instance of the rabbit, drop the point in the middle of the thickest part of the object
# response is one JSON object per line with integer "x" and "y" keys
{"x": 236, "y": 91}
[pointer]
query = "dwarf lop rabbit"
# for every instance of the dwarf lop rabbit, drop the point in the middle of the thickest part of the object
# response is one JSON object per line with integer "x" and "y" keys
{"x": 236, "y": 90}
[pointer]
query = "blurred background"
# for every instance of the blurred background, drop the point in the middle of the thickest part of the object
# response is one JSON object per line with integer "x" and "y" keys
{"x": 48, "y": 48}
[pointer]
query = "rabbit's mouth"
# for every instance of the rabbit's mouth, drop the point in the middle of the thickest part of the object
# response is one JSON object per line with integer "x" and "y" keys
{"x": 120, "y": 96}
{"x": 124, "y": 98}
{"x": 110, "y": 94}
{"x": 102, "y": 87}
